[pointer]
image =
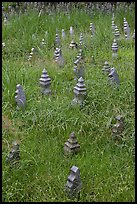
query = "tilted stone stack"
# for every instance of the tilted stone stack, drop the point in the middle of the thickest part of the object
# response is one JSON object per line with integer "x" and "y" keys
{"x": 74, "y": 183}
{"x": 14, "y": 154}
{"x": 63, "y": 33}
{"x": 114, "y": 49}
{"x": 106, "y": 68}
{"x": 79, "y": 92}
{"x": 119, "y": 126}
{"x": 71, "y": 146}
{"x": 92, "y": 29}
{"x": 73, "y": 44}
{"x": 57, "y": 40}
{"x": 113, "y": 27}
{"x": 45, "y": 82}
{"x": 113, "y": 77}
{"x": 58, "y": 57}
{"x": 117, "y": 34}
{"x": 20, "y": 97}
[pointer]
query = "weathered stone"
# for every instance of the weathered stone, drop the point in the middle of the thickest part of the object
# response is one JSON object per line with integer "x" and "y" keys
{"x": 74, "y": 183}
{"x": 45, "y": 82}
{"x": 57, "y": 40}
{"x": 119, "y": 126}
{"x": 14, "y": 154}
{"x": 113, "y": 77}
{"x": 113, "y": 27}
{"x": 117, "y": 34}
{"x": 79, "y": 92}
{"x": 20, "y": 97}
{"x": 114, "y": 49}
{"x": 71, "y": 31}
{"x": 73, "y": 44}
{"x": 63, "y": 33}
{"x": 106, "y": 68}
{"x": 71, "y": 146}
{"x": 92, "y": 29}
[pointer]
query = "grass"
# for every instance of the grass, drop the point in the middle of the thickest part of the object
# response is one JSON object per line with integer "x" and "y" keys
{"x": 107, "y": 168}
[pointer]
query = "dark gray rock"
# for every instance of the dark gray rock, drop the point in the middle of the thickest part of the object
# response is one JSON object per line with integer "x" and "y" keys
{"x": 20, "y": 97}
{"x": 45, "y": 82}
{"x": 74, "y": 183}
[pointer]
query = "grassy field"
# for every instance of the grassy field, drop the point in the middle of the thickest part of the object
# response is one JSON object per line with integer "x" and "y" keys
{"x": 107, "y": 168}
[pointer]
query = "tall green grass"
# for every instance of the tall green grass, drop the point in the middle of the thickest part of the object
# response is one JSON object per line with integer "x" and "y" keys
{"x": 107, "y": 168}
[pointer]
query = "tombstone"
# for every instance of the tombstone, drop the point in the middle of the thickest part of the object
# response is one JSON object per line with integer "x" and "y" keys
{"x": 127, "y": 32}
{"x": 74, "y": 183}
{"x": 20, "y": 97}
{"x": 106, "y": 68}
{"x": 134, "y": 35}
{"x": 45, "y": 83}
{"x": 43, "y": 42}
{"x": 116, "y": 32}
{"x": 71, "y": 31}
{"x": 113, "y": 27}
{"x": 58, "y": 57}
{"x": 71, "y": 146}
{"x": 92, "y": 29}
{"x": 79, "y": 92}
{"x": 113, "y": 17}
{"x": 73, "y": 45}
{"x": 114, "y": 49}
{"x": 31, "y": 54}
{"x": 113, "y": 77}
{"x": 63, "y": 33}
{"x": 57, "y": 40}
{"x": 14, "y": 154}
{"x": 81, "y": 40}
{"x": 119, "y": 126}
{"x": 3, "y": 44}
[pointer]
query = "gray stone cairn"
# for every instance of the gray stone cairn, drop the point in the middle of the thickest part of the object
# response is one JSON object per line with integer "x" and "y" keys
{"x": 74, "y": 183}
{"x": 14, "y": 154}
{"x": 119, "y": 126}
{"x": 43, "y": 42}
{"x": 71, "y": 146}
{"x": 117, "y": 34}
{"x": 78, "y": 66}
{"x": 63, "y": 33}
{"x": 134, "y": 35}
{"x": 113, "y": 77}
{"x": 113, "y": 27}
{"x": 73, "y": 44}
{"x": 45, "y": 82}
{"x": 106, "y": 68}
{"x": 92, "y": 29}
{"x": 57, "y": 40}
{"x": 126, "y": 29}
{"x": 114, "y": 49}
{"x": 79, "y": 92}
{"x": 58, "y": 57}
{"x": 81, "y": 40}
{"x": 31, "y": 54}
{"x": 20, "y": 97}
{"x": 71, "y": 30}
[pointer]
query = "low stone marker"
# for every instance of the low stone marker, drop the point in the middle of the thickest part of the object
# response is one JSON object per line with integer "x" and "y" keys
{"x": 114, "y": 49}
{"x": 14, "y": 154}
{"x": 73, "y": 44}
{"x": 106, "y": 68}
{"x": 74, "y": 183}
{"x": 113, "y": 77}
{"x": 45, "y": 82}
{"x": 119, "y": 126}
{"x": 79, "y": 92}
{"x": 71, "y": 146}
{"x": 20, "y": 97}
